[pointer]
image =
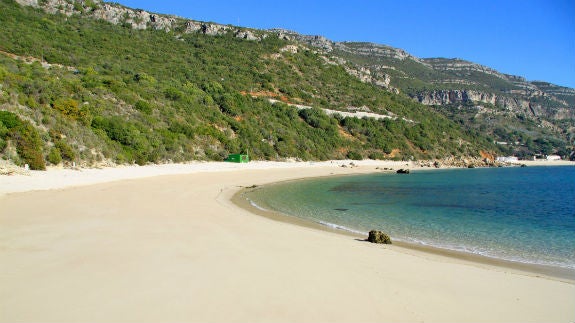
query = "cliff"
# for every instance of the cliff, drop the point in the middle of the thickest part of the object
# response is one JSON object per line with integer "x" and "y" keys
{"x": 441, "y": 81}
{"x": 137, "y": 18}
{"x": 516, "y": 104}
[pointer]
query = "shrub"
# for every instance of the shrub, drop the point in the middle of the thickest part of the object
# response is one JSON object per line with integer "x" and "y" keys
{"x": 29, "y": 145}
{"x": 315, "y": 118}
{"x": 71, "y": 109}
{"x": 354, "y": 155}
{"x": 27, "y": 139}
{"x": 54, "y": 156}
{"x": 9, "y": 119}
{"x": 143, "y": 106}
{"x": 173, "y": 94}
{"x": 376, "y": 155}
{"x": 185, "y": 129}
{"x": 66, "y": 152}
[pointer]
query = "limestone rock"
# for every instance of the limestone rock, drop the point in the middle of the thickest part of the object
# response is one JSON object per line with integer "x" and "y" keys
{"x": 246, "y": 34}
{"x": 376, "y": 236}
{"x": 214, "y": 29}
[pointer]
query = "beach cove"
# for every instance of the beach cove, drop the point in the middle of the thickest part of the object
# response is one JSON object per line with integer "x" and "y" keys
{"x": 165, "y": 243}
{"x": 519, "y": 215}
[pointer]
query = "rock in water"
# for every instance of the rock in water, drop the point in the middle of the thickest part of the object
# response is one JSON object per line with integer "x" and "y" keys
{"x": 378, "y": 237}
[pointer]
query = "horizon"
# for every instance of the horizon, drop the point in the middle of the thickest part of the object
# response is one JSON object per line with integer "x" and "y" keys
{"x": 538, "y": 43}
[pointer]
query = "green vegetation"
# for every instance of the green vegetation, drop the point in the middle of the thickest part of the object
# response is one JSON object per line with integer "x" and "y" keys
{"x": 26, "y": 138}
{"x": 109, "y": 92}
{"x": 415, "y": 76}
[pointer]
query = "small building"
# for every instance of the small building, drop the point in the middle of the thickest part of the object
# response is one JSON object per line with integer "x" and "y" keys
{"x": 508, "y": 159}
{"x": 238, "y": 158}
{"x": 553, "y": 157}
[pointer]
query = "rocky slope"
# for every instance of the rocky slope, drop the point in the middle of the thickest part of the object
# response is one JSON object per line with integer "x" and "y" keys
{"x": 137, "y": 18}
{"x": 504, "y": 106}
{"x": 441, "y": 81}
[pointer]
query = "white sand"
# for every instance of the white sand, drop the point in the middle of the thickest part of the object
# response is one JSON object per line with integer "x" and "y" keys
{"x": 174, "y": 248}
{"x": 57, "y": 178}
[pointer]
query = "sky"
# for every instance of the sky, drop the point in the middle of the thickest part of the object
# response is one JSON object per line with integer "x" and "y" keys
{"x": 534, "y": 39}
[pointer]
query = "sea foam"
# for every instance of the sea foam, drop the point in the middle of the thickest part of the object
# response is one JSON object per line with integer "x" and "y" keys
{"x": 254, "y": 204}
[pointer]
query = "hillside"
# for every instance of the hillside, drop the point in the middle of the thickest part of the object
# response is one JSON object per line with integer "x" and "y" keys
{"x": 529, "y": 117}
{"x": 91, "y": 83}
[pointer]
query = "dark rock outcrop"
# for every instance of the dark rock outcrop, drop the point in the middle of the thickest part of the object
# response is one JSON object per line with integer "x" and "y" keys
{"x": 376, "y": 236}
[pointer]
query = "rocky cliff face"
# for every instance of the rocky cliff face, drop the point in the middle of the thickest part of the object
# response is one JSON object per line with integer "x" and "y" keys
{"x": 376, "y": 50}
{"x": 440, "y": 81}
{"x": 136, "y": 18}
{"x": 460, "y": 67}
{"x": 375, "y": 75}
{"x": 518, "y": 105}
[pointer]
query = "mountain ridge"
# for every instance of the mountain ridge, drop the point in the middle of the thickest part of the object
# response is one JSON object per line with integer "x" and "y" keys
{"x": 142, "y": 19}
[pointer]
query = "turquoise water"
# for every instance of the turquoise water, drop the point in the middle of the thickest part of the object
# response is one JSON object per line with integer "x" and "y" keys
{"x": 518, "y": 214}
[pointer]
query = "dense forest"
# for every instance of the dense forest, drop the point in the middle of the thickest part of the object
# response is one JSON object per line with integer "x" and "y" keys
{"x": 74, "y": 89}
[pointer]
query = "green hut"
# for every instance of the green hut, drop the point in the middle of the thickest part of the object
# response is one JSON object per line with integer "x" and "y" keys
{"x": 238, "y": 158}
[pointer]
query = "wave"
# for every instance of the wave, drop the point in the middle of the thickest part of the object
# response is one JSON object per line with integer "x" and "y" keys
{"x": 340, "y": 227}
{"x": 493, "y": 254}
{"x": 254, "y": 204}
{"x": 327, "y": 224}
{"x": 463, "y": 249}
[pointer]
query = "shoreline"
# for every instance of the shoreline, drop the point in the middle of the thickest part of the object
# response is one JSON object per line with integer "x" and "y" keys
{"x": 54, "y": 178}
{"x": 539, "y": 270}
{"x": 69, "y": 178}
{"x": 61, "y": 178}
{"x": 159, "y": 244}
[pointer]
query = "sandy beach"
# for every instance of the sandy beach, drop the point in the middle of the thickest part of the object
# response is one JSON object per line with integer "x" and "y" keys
{"x": 165, "y": 243}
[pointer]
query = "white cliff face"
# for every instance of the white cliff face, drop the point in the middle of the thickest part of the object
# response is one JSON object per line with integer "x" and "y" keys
{"x": 456, "y": 65}
{"x": 376, "y": 77}
{"x": 459, "y": 81}
{"x": 136, "y": 18}
{"x": 444, "y": 97}
{"x": 33, "y": 3}
{"x": 377, "y": 50}
{"x": 51, "y": 6}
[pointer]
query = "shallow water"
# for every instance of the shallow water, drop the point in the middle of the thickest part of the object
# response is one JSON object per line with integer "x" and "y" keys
{"x": 518, "y": 214}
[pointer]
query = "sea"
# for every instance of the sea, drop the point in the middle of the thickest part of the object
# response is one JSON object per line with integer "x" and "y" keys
{"x": 518, "y": 214}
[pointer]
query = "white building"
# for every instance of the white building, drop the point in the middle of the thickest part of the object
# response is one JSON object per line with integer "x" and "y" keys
{"x": 507, "y": 159}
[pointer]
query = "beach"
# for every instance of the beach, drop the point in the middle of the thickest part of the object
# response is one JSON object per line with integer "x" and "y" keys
{"x": 165, "y": 243}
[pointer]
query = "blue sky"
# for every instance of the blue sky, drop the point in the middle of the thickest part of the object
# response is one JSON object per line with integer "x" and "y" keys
{"x": 530, "y": 38}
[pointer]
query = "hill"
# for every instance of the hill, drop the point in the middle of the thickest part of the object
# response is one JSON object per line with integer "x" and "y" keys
{"x": 89, "y": 82}
{"x": 527, "y": 118}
